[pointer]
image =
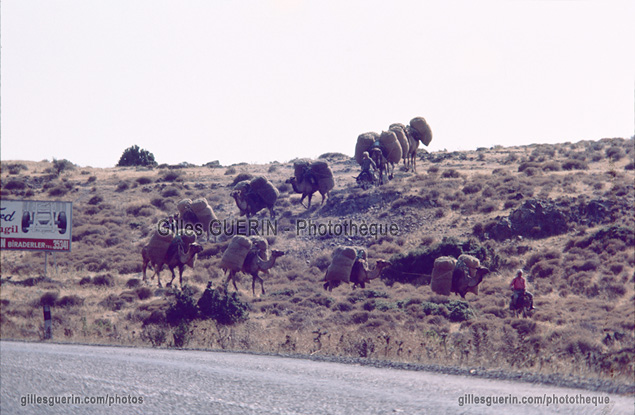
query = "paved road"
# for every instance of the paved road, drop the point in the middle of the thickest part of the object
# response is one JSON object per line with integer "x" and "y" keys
{"x": 179, "y": 381}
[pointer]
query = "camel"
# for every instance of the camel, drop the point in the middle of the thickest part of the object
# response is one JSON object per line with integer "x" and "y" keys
{"x": 380, "y": 161}
{"x": 400, "y": 132}
{"x": 463, "y": 283}
{"x": 413, "y": 146}
{"x": 253, "y": 265}
{"x": 307, "y": 188}
{"x": 175, "y": 255}
{"x": 251, "y": 201}
{"x": 360, "y": 275}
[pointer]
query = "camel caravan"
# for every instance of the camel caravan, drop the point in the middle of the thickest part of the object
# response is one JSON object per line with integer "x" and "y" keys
{"x": 377, "y": 155}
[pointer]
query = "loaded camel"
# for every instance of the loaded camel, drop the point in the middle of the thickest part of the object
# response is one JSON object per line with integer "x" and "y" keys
{"x": 413, "y": 145}
{"x": 311, "y": 177}
{"x": 253, "y": 265}
{"x": 253, "y": 196}
{"x": 400, "y": 132}
{"x": 360, "y": 275}
{"x": 463, "y": 283}
{"x": 174, "y": 252}
{"x": 349, "y": 265}
{"x": 380, "y": 161}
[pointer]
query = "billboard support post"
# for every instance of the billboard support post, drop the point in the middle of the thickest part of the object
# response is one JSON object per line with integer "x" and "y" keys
{"x": 47, "y": 322}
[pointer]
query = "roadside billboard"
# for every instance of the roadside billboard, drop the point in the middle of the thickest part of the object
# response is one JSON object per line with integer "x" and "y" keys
{"x": 36, "y": 225}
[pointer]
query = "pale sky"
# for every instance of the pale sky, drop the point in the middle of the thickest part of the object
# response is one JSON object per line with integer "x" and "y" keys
{"x": 258, "y": 81}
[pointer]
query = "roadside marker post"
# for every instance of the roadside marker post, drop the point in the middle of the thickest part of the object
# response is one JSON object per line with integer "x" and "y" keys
{"x": 47, "y": 322}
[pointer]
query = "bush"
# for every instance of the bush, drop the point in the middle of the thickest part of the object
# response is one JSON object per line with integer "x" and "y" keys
{"x": 85, "y": 280}
{"x": 574, "y": 164}
{"x": 222, "y": 307}
{"x": 183, "y": 308}
{"x": 62, "y": 165}
{"x": 472, "y": 188}
{"x": 434, "y": 309}
{"x": 450, "y": 174}
{"x": 113, "y": 302}
{"x": 415, "y": 267}
{"x": 171, "y": 176}
{"x": 155, "y": 335}
{"x": 105, "y": 280}
{"x": 135, "y": 156}
{"x": 182, "y": 335}
{"x": 171, "y": 192}
{"x": 70, "y": 301}
{"x": 615, "y": 153}
{"x": 15, "y": 168}
{"x": 122, "y": 186}
{"x": 95, "y": 200}
{"x": 459, "y": 311}
{"x": 49, "y": 298}
{"x": 15, "y": 184}
{"x": 133, "y": 283}
{"x": 144, "y": 180}
{"x": 144, "y": 293}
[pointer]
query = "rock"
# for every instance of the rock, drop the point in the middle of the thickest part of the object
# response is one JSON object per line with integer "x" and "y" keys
{"x": 534, "y": 219}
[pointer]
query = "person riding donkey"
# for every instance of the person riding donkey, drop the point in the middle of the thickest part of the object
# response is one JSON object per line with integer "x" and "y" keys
{"x": 518, "y": 285}
{"x": 368, "y": 166}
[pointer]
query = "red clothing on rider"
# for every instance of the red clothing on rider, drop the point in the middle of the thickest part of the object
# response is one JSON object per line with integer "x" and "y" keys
{"x": 518, "y": 283}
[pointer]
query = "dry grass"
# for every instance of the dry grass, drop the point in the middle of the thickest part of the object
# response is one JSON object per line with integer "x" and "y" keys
{"x": 582, "y": 280}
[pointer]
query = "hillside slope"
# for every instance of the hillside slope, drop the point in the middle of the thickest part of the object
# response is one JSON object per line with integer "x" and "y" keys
{"x": 563, "y": 213}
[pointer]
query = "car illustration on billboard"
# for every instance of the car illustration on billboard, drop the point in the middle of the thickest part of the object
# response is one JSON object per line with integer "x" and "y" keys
{"x": 36, "y": 225}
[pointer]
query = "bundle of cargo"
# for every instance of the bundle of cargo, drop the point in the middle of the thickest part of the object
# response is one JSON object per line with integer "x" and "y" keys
{"x": 265, "y": 189}
{"x": 259, "y": 243}
{"x": 235, "y": 254}
{"x": 203, "y": 211}
{"x": 324, "y": 176}
{"x": 471, "y": 262}
{"x": 341, "y": 265}
{"x": 442, "y": 270}
{"x": 253, "y": 196}
{"x": 390, "y": 146}
{"x": 400, "y": 132}
{"x": 184, "y": 205}
{"x": 422, "y": 127}
{"x": 364, "y": 143}
{"x": 301, "y": 168}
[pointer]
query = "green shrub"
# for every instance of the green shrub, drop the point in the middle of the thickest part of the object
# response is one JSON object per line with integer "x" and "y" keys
{"x": 113, "y": 302}
{"x": 459, "y": 311}
{"x": 434, "y": 309}
{"x": 143, "y": 293}
{"x": 416, "y": 266}
{"x": 105, "y": 280}
{"x": 155, "y": 335}
{"x": 144, "y": 180}
{"x": 135, "y": 156}
{"x": 15, "y": 184}
{"x": 15, "y": 168}
{"x": 171, "y": 176}
{"x": 95, "y": 200}
{"x": 574, "y": 164}
{"x": 62, "y": 165}
{"x": 182, "y": 334}
{"x": 224, "y": 308}
{"x": 49, "y": 298}
{"x": 70, "y": 301}
{"x": 183, "y": 308}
